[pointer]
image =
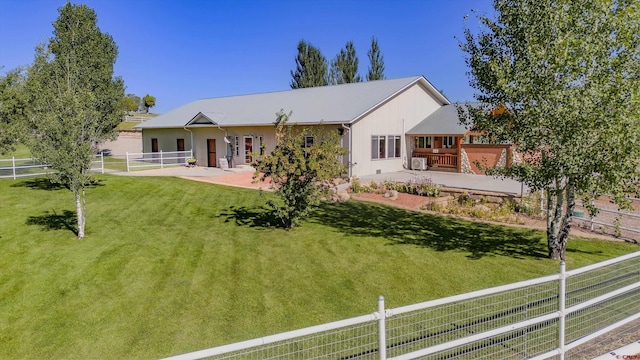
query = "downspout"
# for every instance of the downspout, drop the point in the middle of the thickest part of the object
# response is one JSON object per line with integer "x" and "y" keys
{"x": 191, "y": 133}
{"x": 403, "y": 146}
{"x": 226, "y": 145}
{"x": 348, "y": 128}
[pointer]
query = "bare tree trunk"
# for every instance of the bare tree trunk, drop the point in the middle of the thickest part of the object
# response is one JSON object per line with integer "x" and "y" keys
{"x": 80, "y": 210}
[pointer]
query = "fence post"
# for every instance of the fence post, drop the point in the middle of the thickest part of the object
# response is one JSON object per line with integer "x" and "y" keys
{"x": 127, "y": 161}
{"x": 161, "y": 161}
{"x": 102, "y": 162}
{"x": 382, "y": 329}
{"x": 562, "y": 303}
{"x": 13, "y": 167}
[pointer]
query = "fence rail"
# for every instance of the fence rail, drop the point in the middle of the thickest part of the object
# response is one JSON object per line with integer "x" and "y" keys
{"x": 26, "y": 167}
{"x": 608, "y": 221}
{"x": 159, "y": 159}
{"x": 538, "y": 319}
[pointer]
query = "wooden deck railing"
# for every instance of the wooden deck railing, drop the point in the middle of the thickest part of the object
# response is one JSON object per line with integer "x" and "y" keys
{"x": 439, "y": 160}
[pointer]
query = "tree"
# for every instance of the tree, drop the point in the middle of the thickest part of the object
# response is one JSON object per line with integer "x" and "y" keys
{"x": 301, "y": 172}
{"x": 567, "y": 76}
{"x": 12, "y": 109}
{"x": 311, "y": 67}
{"x": 148, "y": 101}
{"x": 344, "y": 68}
{"x": 74, "y": 99}
{"x": 376, "y": 62}
{"x": 131, "y": 102}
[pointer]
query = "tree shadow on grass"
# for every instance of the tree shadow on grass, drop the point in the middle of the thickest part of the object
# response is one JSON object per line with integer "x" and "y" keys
{"x": 256, "y": 217}
{"x": 54, "y": 221}
{"x": 441, "y": 233}
{"x": 46, "y": 184}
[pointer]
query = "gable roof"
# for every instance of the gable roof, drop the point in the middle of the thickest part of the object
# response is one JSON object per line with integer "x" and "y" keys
{"x": 444, "y": 121}
{"x": 343, "y": 103}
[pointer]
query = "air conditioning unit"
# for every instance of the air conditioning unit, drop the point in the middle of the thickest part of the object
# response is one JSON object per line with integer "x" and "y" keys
{"x": 418, "y": 164}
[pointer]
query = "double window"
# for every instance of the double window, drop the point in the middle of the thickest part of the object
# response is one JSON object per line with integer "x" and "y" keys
{"x": 385, "y": 147}
{"x": 423, "y": 142}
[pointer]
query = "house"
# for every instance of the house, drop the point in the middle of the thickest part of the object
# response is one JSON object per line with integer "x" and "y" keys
{"x": 382, "y": 124}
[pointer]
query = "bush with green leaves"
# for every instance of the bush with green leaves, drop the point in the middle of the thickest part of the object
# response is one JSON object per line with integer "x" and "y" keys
{"x": 301, "y": 175}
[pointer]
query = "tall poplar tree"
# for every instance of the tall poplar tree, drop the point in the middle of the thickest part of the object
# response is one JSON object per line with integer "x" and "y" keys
{"x": 75, "y": 100}
{"x": 376, "y": 62}
{"x": 567, "y": 74}
{"x": 311, "y": 67}
{"x": 344, "y": 68}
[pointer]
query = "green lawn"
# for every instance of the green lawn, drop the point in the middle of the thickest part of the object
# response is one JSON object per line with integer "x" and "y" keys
{"x": 128, "y": 125}
{"x": 171, "y": 266}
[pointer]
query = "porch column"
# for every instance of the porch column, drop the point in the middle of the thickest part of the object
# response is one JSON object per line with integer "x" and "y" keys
{"x": 459, "y": 162}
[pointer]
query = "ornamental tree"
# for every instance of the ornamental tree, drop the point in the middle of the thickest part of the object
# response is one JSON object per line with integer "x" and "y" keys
{"x": 301, "y": 173}
{"x": 75, "y": 101}
{"x": 567, "y": 75}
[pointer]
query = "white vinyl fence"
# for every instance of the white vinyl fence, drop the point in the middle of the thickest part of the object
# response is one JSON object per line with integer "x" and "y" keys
{"x": 159, "y": 159}
{"x": 17, "y": 168}
{"x": 534, "y": 319}
{"x": 625, "y": 224}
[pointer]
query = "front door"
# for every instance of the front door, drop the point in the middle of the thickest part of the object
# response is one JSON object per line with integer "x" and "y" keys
{"x": 154, "y": 145}
{"x": 248, "y": 149}
{"x": 211, "y": 153}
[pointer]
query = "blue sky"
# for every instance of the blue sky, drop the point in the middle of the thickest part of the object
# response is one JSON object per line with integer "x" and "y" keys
{"x": 184, "y": 50}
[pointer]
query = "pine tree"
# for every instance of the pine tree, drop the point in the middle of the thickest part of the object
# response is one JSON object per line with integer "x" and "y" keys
{"x": 376, "y": 62}
{"x": 311, "y": 67}
{"x": 344, "y": 68}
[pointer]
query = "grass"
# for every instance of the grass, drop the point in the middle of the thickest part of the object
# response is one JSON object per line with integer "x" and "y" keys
{"x": 170, "y": 266}
{"x": 20, "y": 152}
{"x": 128, "y": 125}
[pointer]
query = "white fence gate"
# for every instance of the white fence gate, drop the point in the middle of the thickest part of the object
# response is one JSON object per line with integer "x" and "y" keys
{"x": 159, "y": 159}
{"x": 17, "y": 168}
{"x": 534, "y": 319}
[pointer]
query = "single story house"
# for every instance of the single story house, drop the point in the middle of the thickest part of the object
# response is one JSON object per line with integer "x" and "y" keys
{"x": 383, "y": 124}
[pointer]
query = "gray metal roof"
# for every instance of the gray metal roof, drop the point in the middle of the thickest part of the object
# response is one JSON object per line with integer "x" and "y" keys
{"x": 444, "y": 121}
{"x": 344, "y": 103}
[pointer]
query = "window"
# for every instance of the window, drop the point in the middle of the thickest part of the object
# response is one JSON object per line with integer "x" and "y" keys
{"x": 308, "y": 141}
{"x": 237, "y": 145}
{"x": 261, "y": 144}
{"x": 378, "y": 147}
{"x": 423, "y": 142}
{"x": 447, "y": 142}
{"x": 393, "y": 143}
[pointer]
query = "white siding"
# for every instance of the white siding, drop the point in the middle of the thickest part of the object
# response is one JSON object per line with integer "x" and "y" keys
{"x": 394, "y": 117}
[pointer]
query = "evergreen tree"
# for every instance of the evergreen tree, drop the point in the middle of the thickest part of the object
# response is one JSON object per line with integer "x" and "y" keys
{"x": 311, "y": 67}
{"x": 567, "y": 74}
{"x": 344, "y": 68}
{"x": 74, "y": 100}
{"x": 376, "y": 62}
